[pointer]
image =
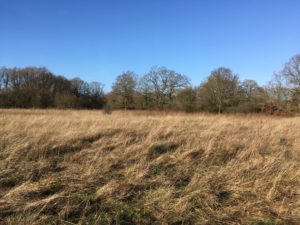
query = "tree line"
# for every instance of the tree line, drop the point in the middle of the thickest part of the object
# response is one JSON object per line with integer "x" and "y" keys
{"x": 159, "y": 89}
{"x": 39, "y": 88}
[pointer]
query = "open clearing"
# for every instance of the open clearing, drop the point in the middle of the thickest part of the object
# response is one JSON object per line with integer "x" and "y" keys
{"x": 84, "y": 167}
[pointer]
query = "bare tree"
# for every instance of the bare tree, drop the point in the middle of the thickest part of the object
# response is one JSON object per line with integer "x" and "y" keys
{"x": 96, "y": 89}
{"x": 163, "y": 84}
{"x": 79, "y": 87}
{"x": 221, "y": 90}
{"x": 123, "y": 90}
{"x": 96, "y": 93}
{"x": 253, "y": 97}
{"x": 291, "y": 71}
{"x": 250, "y": 87}
{"x": 278, "y": 91}
{"x": 284, "y": 89}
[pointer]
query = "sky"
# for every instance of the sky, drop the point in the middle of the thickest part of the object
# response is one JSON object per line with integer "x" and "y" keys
{"x": 97, "y": 40}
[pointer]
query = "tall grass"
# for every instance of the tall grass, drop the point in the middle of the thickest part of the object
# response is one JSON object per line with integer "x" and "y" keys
{"x": 86, "y": 167}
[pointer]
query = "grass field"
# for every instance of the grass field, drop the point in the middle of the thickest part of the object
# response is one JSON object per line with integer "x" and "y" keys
{"x": 84, "y": 167}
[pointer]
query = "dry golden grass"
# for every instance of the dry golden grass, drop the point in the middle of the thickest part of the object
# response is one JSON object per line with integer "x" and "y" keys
{"x": 84, "y": 167}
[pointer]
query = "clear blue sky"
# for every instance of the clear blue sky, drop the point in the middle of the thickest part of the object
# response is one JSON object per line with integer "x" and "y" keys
{"x": 98, "y": 39}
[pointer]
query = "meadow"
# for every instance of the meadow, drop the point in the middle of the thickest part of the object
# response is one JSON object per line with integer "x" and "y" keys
{"x": 87, "y": 167}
